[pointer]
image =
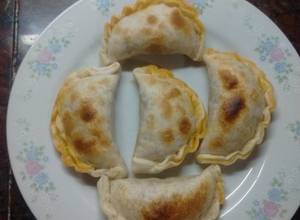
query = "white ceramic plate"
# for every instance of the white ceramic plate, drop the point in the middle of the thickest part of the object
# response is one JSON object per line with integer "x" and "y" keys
{"x": 266, "y": 186}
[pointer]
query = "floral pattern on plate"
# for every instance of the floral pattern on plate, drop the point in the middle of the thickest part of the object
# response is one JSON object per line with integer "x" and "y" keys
{"x": 248, "y": 23}
{"x": 201, "y": 5}
{"x": 294, "y": 128}
{"x": 46, "y": 56}
{"x": 272, "y": 206}
{"x": 104, "y": 6}
{"x": 24, "y": 125}
{"x": 35, "y": 161}
{"x": 270, "y": 51}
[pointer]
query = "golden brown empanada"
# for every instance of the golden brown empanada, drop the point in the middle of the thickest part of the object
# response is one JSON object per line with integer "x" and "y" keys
{"x": 177, "y": 198}
{"x": 172, "y": 121}
{"x": 153, "y": 27}
{"x": 81, "y": 123}
{"x": 240, "y": 104}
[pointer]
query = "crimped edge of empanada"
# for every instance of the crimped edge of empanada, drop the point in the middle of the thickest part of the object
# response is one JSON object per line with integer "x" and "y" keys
{"x": 260, "y": 132}
{"x": 59, "y": 138}
{"x": 104, "y": 194}
{"x": 173, "y": 160}
{"x": 186, "y": 9}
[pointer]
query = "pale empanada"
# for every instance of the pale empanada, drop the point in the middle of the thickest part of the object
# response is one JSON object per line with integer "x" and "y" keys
{"x": 240, "y": 104}
{"x": 81, "y": 123}
{"x": 153, "y": 27}
{"x": 177, "y": 198}
{"x": 172, "y": 121}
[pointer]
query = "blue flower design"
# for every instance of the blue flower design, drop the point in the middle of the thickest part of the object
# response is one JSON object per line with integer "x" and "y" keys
{"x": 201, "y": 5}
{"x": 104, "y": 3}
{"x": 41, "y": 68}
{"x": 32, "y": 154}
{"x": 281, "y": 67}
{"x": 54, "y": 46}
{"x": 295, "y": 129}
{"x": 275, "y": 195}
{"x": 267, "y": 46}
{"x": 104, "y": 6}
{"x": 201, "y": 2}
{"x": 46, "y": 56}
{"x": 34, "y": 160}
{"x": 272, "y": 204}
{"x": 269, "y": 50}
{"x": 41, "y": 179}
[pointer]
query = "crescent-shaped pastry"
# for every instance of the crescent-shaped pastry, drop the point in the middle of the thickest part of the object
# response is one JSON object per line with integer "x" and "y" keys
{"x": 153, "y": 27}
{"x": 241, "y": 100}
{"x": 172, "y": 121}
{"x": 177, "y": 198}
{"x": 81, "y": 122}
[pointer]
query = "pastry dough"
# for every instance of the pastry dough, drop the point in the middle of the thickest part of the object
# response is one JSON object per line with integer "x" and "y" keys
{"x": 81, "y": 123}
{"x": 172, "y": 121}
{"x": 240, "y": 104}
{"x": 153, "y": 27}
{"x": 177, "y": 198}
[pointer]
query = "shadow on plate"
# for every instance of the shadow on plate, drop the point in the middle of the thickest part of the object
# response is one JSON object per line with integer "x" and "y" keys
{"x": 172, "y": 172}
{"x": 165, "y": 61}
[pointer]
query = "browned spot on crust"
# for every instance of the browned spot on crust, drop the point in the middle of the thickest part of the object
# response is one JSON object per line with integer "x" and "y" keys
{"x": 184, "y": 125}
{"x": 216, "y": 142}
{"x": 177, "y": 19}
{"x": 67, "y": 122}
{"x": 101, "y": 137}
{"x": 177, "y": 207}
{"x": 166, "y": 136}
{"x": 87, "y": 111}
{"x": 84, "y": 146}
{"x": 156, "y": 48}
{"x": 151, "y": 19}
{"x": 147, "y": 31}
{"x": 232, "y": 108}
{"x": 166, "y": 109}
{"x": 173, "y": 93}
{"x": 156, "y": 45}
{"x": 229, "y": 80}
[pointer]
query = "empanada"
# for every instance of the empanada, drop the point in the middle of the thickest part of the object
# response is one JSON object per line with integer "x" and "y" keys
{"x": 177, "y": 198}
{"x": 172, "y": 121}
{"x": 82, "y": 122}
{"x": 153, "y": 27}
{"x": 240, "y": 104}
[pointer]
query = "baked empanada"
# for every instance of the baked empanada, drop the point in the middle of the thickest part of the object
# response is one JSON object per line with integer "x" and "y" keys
{"x": 82, "y": 120}
{"x": 153, "y": 27}
{"x": 172, "y": 121}
{"x": 177, "y": 198}
{"x": 240, "y": 104}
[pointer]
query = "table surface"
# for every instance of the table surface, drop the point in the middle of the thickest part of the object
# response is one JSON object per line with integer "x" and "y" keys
{"x": 20, "y": 24}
